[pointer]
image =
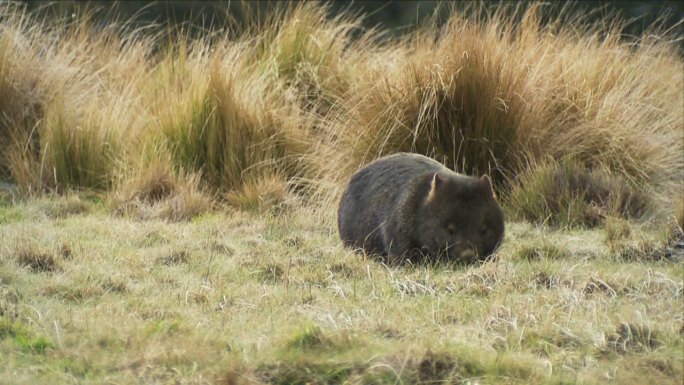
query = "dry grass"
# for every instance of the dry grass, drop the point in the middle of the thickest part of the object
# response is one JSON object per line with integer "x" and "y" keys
{"x": 679, "y": 214}
{"x": 275, "y": 299}
{"x": 500, "y": 106}
{"x": 36, "y": 260}
{"x": 287, "y": 97}
{"x": 173, "y": 220}
{"x": 158, "y": 193}
{"x": 260, "y": 195}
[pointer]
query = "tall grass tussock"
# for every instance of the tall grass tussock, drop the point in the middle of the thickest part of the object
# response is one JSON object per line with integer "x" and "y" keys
{"x": 567, "y": 193}
{"x": 499, "y": 91}
{"x": 308, "y": 98}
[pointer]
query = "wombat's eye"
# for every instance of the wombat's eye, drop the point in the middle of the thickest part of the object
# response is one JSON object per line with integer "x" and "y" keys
{"x": 484, "y": 229}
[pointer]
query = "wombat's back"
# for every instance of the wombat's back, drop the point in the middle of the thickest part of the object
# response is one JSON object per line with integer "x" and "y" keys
{"x": 373, "y": 192}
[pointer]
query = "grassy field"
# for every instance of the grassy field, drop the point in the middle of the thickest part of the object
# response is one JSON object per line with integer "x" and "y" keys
{"x": 167, "y": 201}
{"x": 231, "y": 297}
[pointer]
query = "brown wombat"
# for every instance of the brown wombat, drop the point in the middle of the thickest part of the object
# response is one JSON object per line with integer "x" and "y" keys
{"x": 410, "y": 207}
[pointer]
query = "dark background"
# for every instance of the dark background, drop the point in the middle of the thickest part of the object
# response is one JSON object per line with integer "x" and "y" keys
{"x": 394, "y": 16}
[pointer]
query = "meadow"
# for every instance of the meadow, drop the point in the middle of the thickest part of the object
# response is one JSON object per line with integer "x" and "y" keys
{"x": 168, "y": 200}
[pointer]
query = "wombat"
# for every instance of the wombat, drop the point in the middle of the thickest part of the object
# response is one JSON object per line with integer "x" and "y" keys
{"x": 410, "y": 207}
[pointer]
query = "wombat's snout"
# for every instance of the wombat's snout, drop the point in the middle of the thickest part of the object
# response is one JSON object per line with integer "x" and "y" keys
{"x": 461, "y": 251}
{"x": 467, "y": 254}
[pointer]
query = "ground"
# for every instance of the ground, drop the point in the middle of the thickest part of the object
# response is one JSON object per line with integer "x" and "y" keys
{"x": 87, "y": 296}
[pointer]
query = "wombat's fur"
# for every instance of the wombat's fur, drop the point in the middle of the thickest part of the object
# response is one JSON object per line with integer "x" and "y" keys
{"x": 408, "y": 207}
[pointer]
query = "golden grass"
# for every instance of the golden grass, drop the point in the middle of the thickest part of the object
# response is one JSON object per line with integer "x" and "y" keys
{"x": 260, "y": 195}
{"x": 311, "y": 99}
{"x": 156, "y": 192}
{"x": 191, "y": 237}
{"x": 486, "y": 94}
{"x": 36, "y": 260}
{"x": 264, "y": 299}
{"x": 74, "y": 105}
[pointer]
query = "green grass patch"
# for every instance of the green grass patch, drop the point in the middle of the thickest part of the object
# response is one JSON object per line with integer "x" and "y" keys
{"x": 542, "y": 249}
{"x": 9, "y": 214}
{"x": 310, "y": 338}
{"x": 23, "y": 337}
{"x": 305, "y": 372}
{"x": 568, "y": 194}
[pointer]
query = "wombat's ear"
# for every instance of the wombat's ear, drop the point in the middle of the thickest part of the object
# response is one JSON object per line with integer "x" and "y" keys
{"x": 435, "y": 185}
{"x": 488, "y": 182}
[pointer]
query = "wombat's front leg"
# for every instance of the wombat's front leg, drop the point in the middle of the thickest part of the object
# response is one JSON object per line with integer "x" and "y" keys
{"x": 398, "y": 249}
{"x": 410, "y": 255}
{"x": 393, "y": 244}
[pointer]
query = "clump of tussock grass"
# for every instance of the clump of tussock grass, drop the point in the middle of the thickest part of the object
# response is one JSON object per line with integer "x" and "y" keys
{"x": 224, "y": 119}
{"x": 189, "y": 202}
{"x": 259, "y": 195}
{"x": 90, "y": 286}
{"x": 631, "y": 337}
{"x": 157, "y": 192}
{"x": 427, "y": 101}
{"x": 176, "y": 94}
{"x": 38, "y": 261}
{"x": 616, "y": 230}
{"x": 628, "y": 241}
{"x": 434, "y": 367}
{"x": 238, "y": 112}
{"x": 309, "y": 338}
{"x": 305, "y": 371}
{"x": 20, "y": 99}
{"x": 644, "y": 250}
{"x": 551, "y": 341}
{"x": 344, "y": 270}
{"x": 176, "y": 257}
{"x": 597, "y": 285}
{"x": 542, "y": 249}
{"x": 114, "y": 285}
{"x": 81, "y": 152}
{"x": 152, "y": 184}
{"x": 258, "y": 133}
{"x": 305, "y": 347}
{"x": 64, "y": 206}
{"x": 545, "y": 280}
{"x": 462, "y": 365}
{"x": 309, "y": 52}
{"x": 495, "y": 91}
{"x": 270, "y": 272}
{"x": 71, "y": 131}
{"x": 388, "y": 332}
{"x": 568, "y": 194}
{"x": 426, "y": 367}
{"x": 66, "y": 250}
